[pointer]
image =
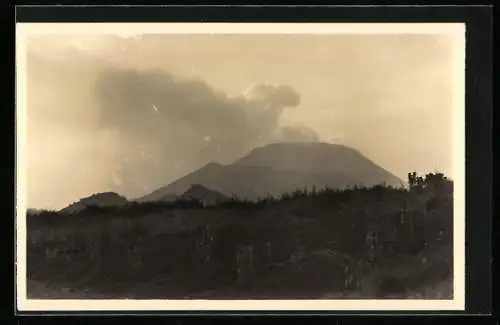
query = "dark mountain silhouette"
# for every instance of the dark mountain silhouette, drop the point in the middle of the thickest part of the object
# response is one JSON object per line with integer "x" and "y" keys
{"x": 205, "y": 195}
{"x": 105, "y": 199}
{"x": 321, "y": 158}
{"x": 279, "y": 168}
{"x": 169, "y": 198}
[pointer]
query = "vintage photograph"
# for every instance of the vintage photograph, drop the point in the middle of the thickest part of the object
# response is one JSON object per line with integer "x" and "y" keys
{"x": 251, "y": 163}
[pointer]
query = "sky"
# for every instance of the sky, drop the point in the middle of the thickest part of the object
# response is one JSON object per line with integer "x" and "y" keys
{"x": 131, "y": 114}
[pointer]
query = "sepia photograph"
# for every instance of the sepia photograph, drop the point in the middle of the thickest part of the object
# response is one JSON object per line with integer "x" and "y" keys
{"x": 240, "y": 166}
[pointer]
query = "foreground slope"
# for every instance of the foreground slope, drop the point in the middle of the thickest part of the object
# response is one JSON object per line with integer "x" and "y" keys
{"x": 366, "y": 243}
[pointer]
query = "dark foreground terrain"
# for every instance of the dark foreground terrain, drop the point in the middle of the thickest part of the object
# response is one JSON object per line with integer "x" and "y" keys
{"x": 361, "y": 243}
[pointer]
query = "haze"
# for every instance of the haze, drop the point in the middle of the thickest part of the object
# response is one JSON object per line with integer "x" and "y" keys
{"x": 131, "y": 114}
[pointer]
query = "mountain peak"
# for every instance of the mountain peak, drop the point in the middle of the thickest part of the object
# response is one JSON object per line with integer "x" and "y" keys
{"x": 197, "y": 187}
{"x": 318, "y": 157}
{"x": 107, "y": 195}
{"x": 103, "y": 199}
{"x": 212, "y": 164}
{"x": 203, "y": 193}
{"x": 278, "y": 168}
{"x": 280, "y": 146}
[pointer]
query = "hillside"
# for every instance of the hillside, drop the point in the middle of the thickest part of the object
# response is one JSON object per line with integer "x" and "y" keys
{"x": 105, "y": 199}
{"x": 280, "y": 168}
{"x": 248, "y": 182}
{"x": 169, "y": 198}
{"x": 323, "y": 158}
{"x": 367, "y": 243}
{"x": 201, "y": 193}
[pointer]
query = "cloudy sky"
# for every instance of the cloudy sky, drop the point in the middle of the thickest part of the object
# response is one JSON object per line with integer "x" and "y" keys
{"x": 131, "y": 114}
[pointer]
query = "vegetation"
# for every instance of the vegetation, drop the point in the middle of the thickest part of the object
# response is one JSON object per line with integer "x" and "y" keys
{"x": 377, "y": 242}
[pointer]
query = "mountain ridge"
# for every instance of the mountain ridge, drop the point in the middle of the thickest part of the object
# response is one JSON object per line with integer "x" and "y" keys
{"x": 317, "y": 156}
{"x": 282, "y": 167}
{"x": 102, "y": 199}
{"x": 201, "y": 193}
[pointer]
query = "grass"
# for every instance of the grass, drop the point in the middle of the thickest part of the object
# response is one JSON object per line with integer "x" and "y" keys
{"x": 377, "y": 242}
